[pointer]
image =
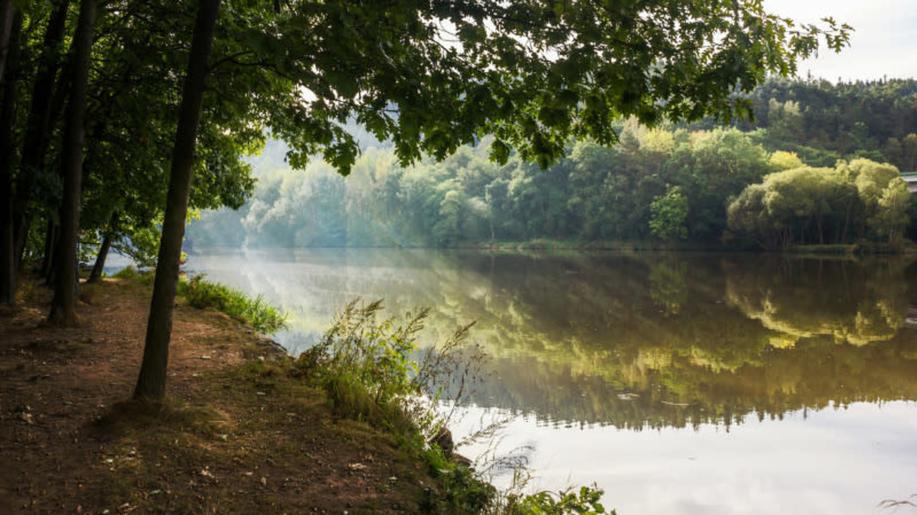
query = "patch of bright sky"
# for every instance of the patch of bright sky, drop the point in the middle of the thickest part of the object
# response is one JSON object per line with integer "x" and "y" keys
{"x": 884, "y": 43}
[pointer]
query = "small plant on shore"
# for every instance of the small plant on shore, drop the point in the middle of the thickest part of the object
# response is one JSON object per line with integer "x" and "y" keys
{"x": 369, "y": 363}
{"x": 585, "y": 500}
{"x": 255, "y": 312}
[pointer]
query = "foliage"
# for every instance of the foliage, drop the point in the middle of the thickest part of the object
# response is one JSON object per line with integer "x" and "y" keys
{"x": 586, "y": 500}
{"x": 824, "y": 121}
{"x": 539, "y": 75}
{"x": 858, "y": 200}
{"x": 373, "y": 370}
{"x": 669, "y": 212}
{"x": 596, "y": 194}
{"x": 260, "y": 315}
{"x": 375, "y": 354}
{"x": 129, "y": 273}
{"x": 373, "y": 366}
{"x": 783, "y": 160}
{"x": 140, "y": 244}
{"x": 202, "y": 294}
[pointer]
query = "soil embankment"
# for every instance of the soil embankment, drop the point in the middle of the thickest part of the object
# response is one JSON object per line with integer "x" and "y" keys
{"x": 230, "y": 439}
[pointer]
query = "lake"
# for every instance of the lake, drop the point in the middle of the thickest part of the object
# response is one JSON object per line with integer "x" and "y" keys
{"x": 678, "y": 383}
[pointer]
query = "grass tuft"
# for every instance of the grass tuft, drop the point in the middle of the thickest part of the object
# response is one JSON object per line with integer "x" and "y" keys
{"x": 201, "y": 293}
{"x": 255, "y": 312}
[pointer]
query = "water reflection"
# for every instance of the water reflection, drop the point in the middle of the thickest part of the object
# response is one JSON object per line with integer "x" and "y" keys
{"x": 680, "y": 383}
{"x": 634, "y": 341}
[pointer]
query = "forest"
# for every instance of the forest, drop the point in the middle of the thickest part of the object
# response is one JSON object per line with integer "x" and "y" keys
{"x": 154, "y": 128}
{"x": 818, "y": 165}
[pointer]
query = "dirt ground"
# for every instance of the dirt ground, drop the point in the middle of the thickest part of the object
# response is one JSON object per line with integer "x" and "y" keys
{"x": 232, "y": 438}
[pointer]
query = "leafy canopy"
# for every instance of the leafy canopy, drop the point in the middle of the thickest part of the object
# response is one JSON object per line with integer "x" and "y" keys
{"x": 431, "y": 76}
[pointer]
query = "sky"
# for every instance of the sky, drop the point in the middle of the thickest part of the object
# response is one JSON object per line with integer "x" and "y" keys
{"x": 884, "y": 42}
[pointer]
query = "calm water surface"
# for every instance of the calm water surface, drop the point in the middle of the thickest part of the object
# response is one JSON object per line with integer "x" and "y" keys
{"x": 688, "y": 383}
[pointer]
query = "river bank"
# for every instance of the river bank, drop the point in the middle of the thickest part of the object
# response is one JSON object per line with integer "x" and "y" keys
{"x": 235, "y": 435}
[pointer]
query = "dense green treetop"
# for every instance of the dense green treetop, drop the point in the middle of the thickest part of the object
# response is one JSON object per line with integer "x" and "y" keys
{"x": 823, "y": 121}
{"x": 431, "y": 76}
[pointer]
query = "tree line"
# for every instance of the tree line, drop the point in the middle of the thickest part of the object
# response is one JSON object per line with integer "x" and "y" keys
{"x": 676, "y": 186}
{"x": 118, "y": 116}
{"x": 824, "y": 122}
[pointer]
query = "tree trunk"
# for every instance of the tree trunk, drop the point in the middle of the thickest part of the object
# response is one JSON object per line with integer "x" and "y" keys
{"x": 8, "y": 78}
{"x": 63, "y": 306}
{"x": 6, "y": 31}
{"x": 47, "y": 264}
{"x": 38, "y": 126}
{"x": 490, "y": 218}
{"x": 99, "y": 265}
{"x": 151, "y": 384}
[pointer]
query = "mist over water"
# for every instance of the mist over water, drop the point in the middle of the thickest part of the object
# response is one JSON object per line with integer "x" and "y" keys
{"x": 680, "y": 383}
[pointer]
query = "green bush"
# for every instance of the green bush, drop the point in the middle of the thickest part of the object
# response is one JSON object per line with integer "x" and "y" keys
{"x": 587, "y": 500}
{"x": 361, "y": 350}
{"x": 201, "y": 294}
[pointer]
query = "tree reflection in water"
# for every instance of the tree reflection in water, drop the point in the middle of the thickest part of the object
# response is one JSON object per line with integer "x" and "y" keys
{"x": 630, "y": 340}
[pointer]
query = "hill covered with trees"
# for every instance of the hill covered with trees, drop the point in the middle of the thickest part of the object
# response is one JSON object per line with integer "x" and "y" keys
{"x": 672, "y": 185}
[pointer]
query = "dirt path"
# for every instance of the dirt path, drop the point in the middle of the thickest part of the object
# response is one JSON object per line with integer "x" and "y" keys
{"x": 233, "y": 439}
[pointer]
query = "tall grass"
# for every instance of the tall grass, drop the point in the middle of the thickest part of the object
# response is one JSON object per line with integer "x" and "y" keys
{"x": 373, "y": 369}
{"x": 201, "y": 293}
{"x": 255, "y": 312}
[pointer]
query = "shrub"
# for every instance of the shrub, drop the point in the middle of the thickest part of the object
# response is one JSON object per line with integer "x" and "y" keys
{"x": 587, "y": 500}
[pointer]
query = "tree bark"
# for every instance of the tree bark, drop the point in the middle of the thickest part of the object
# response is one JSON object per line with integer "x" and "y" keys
{"x": 6, "y": 31}
{"x": 99, "y": 265}
{"x": 63, "y": 306}
{"x": 151, "y": 384}
{"x": 47, "y": 263}
{"x": 8, "y": 78}
{"x": 38, "y": 125}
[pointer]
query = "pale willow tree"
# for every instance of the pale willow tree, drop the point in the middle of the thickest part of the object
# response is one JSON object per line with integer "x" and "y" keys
{"x": 856, "y": 201}
{"x": 431, "y": 76}
{"x": 783, "y": 160}
{"x": 884, "y": 196}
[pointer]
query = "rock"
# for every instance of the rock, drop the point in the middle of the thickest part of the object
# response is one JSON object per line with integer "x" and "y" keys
{"x": 443, "y": 440}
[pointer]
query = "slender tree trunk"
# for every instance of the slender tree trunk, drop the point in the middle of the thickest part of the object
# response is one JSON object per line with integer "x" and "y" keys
{"x": 99, "y": 265}
{"x": 47, "y": 264}
{"x": 847, "y": 220}
{"x": 6, "y": 31}
{"x": 8, "y": 78}
{"x": 491, "y": 220}
{"x": 63, "y": 306}
{"x": 821, "y": 234}
{"x": 38, "y": 126}
{"x": 151, "y": 384}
